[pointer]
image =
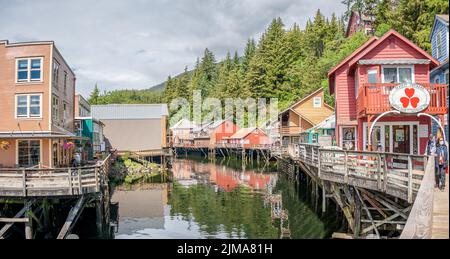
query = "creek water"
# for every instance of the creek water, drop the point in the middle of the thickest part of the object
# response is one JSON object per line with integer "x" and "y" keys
{"x": 221, "y": 200}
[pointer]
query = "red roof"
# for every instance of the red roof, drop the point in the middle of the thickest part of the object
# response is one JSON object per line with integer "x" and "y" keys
{"x": 372, "y": 43}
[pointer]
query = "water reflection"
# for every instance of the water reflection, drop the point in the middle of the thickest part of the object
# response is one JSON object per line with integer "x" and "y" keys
{"x": 213, "y": 200}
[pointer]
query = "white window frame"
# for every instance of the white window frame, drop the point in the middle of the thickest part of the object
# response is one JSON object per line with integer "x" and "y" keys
{"x": 319, "y": 99}
{"x": 391, "y": 134}
{"x": 341, "y": 135}
{"x": 439, "y": 51}
{"x": 413, "y": 79}
{"x": 29, "y": 69}
{"x": 372, "y": 71}
{"x": 28, "y": 115}
{"x": 40, "y": 150}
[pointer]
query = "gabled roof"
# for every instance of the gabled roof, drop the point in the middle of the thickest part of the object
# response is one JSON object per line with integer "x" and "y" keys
{"x": 439, "y": 17}
{"x": 328, "y": 123}
{"x": 242, "y": 133}
{"x": 129, "y": 111}
{"x": 369, "y": 46}
{"x": 184, "y": 124}
{"x": 305, "y": 99}
{"x": 399, "y": 36}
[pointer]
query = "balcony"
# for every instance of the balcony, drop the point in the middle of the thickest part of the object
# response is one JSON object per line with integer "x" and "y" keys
{"x": 373, "y": 99}
{"x": 290, "y": 130}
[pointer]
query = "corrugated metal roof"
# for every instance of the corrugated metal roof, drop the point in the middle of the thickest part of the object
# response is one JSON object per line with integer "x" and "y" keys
{"x": 393, "y": 61}
{"x": 129, "y": 111}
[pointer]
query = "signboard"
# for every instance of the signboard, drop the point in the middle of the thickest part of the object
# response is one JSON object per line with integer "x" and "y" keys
{"x": 409, "y": 98}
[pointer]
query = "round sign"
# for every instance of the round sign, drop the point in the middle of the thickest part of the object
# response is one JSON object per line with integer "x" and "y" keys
{"x": 409, "y": 98}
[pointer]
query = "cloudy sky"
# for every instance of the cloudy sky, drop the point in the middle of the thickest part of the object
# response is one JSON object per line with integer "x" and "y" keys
{"x": 138, "y": 43}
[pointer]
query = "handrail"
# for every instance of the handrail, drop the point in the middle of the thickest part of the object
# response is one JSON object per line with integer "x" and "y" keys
{"x": 367, "y": 169}
{"x": 419, "y": 223}
{"x": 35, "y": 182}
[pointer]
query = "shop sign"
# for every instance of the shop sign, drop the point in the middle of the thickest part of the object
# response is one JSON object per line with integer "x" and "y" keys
{"x": 409, "y": 98}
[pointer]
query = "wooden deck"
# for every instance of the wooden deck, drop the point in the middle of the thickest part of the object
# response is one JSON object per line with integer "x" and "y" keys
{"x": 440, "y": 214}
{"x": 402, "y": 176}
{"x": 51, "y": 182}
{"x": 398, "y": 175}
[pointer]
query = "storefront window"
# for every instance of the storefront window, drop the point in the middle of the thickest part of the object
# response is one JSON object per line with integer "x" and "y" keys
{"x": 29, "y": 152}
{"x": 349, "y": 138}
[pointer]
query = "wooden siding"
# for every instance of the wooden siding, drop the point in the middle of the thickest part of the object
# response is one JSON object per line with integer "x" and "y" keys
{"x": 440, "y": 30}
{"x": 316, "y": 115}
{"x": 393, "y": 48}
{"x": 345, "y": 96}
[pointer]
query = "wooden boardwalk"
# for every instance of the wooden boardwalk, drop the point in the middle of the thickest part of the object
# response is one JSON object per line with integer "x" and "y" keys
{"x": 388, "y": 188}
{"x": 440, "y": 214}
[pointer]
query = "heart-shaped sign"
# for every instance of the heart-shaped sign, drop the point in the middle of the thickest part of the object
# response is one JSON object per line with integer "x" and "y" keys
{"x": 405, "y": 102}
{"x": 410, "y": 92}
{"x": 414, "y": 101}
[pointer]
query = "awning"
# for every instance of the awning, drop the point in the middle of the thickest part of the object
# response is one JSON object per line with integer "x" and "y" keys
{"x": 49, "y": 135}
{"x": 393, "y": 61}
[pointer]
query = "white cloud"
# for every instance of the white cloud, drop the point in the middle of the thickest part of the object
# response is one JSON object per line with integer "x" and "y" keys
{"x": 138, "y": 43}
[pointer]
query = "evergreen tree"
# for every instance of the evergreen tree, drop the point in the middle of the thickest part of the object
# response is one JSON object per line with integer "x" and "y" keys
{"x": 94, "y": 97}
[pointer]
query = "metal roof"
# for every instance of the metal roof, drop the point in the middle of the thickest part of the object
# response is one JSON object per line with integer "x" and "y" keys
{"x": 129, "y": 111}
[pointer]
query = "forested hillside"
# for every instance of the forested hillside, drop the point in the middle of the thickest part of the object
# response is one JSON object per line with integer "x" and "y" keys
{"x": 288, "y": 63}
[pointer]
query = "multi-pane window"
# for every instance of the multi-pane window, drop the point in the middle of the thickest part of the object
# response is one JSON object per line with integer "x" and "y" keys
{"x": 29, "y": 152}
{"x": 29, "y": 70}
{"x": 438, "y": 45}
{"x": 55, "y": 73}
{"x": 397, "y": 75}
{"x": 28, "y": 105}
{"x": 55, "y": 108}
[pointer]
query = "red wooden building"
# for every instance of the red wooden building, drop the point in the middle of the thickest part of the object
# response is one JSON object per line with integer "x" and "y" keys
{"x": 222, "y": 129}
{"x": 249, "y": 137}
{"x": 362, "y": 84}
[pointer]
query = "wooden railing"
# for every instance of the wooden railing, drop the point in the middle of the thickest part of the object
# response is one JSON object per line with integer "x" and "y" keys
{"x": 290, "y": 130}
{"x": 43, "y": 182}
{"x": 420, "y": 220}
{"x": 399, "y": 175}
{"x": 373, "y": 99}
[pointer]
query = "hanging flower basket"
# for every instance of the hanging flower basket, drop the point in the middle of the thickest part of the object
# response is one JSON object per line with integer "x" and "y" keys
{"x": 5, "y": 145}
{"x": 68, "y": 145}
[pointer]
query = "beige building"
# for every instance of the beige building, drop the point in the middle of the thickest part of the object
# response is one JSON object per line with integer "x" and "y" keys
{"x": 37, "y": 90}
{"x": 133, "y": 127}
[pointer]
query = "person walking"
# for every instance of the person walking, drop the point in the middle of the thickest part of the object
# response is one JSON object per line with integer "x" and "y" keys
{"x": 442, "y": 162}
{"x": 431, "y": 151}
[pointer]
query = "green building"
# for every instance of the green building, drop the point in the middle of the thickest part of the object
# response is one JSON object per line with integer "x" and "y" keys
{"x": 322, "y": 134}
{"x": 92, "y": 130}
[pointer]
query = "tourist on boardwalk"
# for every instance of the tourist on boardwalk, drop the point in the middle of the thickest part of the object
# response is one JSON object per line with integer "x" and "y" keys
{"x": 431, "y": 146}
{"x": 442, "y": 162}
{"x": 431, "y": 151}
